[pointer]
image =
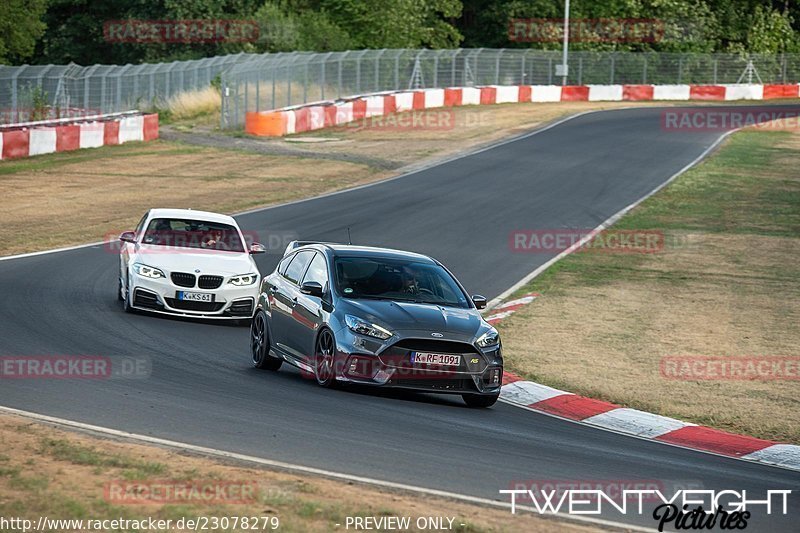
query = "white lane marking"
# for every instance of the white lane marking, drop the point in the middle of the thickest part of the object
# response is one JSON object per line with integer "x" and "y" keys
{"x": 308, "y": 470}
{"x": 608, "y": 222}
{"x": 636, "y": 422}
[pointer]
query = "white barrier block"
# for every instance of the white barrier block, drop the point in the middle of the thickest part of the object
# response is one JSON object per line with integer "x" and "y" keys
{"x": 744, "y": 92}
{"x": 506, "y": 94}
{"x": 470, "y": 96}
{"x": 290, "y": 121}
{"x": 605, "y": 93}
{"x": 344, "y": 113}
{"x": 374, "y": 106}
{"x": 434, "y": 98}
{"x": 131, "y": 129}
{"x": 671, "y": 92}
{"x": 545, "y": 93}
{"x": 404, "y": 101}
{"x": 92, "y": 134}
{"x": 316, "y": 117}
{"x": 42, "y": 141}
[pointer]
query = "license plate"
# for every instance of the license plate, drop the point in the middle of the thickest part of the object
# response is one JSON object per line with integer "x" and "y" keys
{"x": 195, "y": 296}
{"x": 426, "y": 358}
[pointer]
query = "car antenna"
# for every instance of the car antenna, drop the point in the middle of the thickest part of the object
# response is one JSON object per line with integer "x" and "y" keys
{"x": 349, "y": 240}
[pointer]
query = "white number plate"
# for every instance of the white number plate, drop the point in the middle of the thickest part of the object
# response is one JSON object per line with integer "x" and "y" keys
{"x": 427, "y": 358}
{"x": 195, "y": 296}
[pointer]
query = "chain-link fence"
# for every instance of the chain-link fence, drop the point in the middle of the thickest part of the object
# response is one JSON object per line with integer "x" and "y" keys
{"x": 256, "y": 82}
{"x": 272, "y": 81}
{"x": 43, "y": 92}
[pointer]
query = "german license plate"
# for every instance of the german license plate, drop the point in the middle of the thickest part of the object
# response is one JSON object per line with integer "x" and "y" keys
{"x": 427, "y": 358}
{"x": 195, "y": 296}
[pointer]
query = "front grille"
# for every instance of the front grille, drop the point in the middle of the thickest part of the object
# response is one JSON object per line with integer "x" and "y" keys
{"x": 145, "y": 299}
{"x": 241, "y": 308}
{"x": 209, "y": 282}
{"x": 436, "y": 384}
{"x": 188, "y": 305}
{"x": 426, "y": 345}
{"x": 183, "y": 279}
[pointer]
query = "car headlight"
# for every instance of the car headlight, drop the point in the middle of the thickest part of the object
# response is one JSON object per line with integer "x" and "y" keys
{"x": 147, "y": 271}
{"x": 243, "y": 279}
{"x": 490, "y": 338}
{"x": 365, "y": 328}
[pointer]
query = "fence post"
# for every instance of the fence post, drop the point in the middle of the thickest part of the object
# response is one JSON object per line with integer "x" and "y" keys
{"x": 680, "y": 70}
{"x": 613, "y": 63}
{"x": 580, "y": 70}
{"x": 549, "y": 71}
{"x": 305, "y": 82}
{"x": 497, "y": 67}
{"x": 644, "y": 71}
{"x": 715, "y": 70}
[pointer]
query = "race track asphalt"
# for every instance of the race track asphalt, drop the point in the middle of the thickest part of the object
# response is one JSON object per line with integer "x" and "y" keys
{"x": 203, "y": 391}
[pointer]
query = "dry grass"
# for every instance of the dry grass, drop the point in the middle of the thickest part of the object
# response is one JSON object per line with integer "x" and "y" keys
{"x": 61, "y": 475}
{"x": 730, "y": 287}
{"x": 191, "y": 104}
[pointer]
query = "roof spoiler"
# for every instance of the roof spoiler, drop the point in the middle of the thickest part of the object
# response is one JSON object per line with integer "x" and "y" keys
{"x": 297, "y": 244}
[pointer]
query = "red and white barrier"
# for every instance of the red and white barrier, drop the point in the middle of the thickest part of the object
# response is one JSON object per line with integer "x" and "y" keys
{"x": 63, "y": 137}
{"x": 326, "y": 114}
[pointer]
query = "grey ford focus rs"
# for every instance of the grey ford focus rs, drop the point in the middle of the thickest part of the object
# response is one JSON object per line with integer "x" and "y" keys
{"x": 374, "y": 316}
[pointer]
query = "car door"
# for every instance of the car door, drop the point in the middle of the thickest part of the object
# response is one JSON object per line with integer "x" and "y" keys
{"x": 307, "y": 313}
{"x": 283, "y": 296}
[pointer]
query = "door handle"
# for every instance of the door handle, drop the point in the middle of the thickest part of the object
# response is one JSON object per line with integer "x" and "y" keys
{"x": 294, "y": 301}
{"x": 273, "y": 290}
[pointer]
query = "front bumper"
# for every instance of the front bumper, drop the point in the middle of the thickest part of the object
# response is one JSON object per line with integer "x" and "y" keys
{"x": 160, "y": 296}
{"x": 370, "y": 362}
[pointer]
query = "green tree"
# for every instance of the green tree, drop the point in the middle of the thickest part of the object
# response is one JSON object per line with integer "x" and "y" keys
{"x": 20, "y": 26}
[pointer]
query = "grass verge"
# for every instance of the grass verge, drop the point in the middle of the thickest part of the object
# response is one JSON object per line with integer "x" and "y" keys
{"x": 727, "y": 284}
{"x": 63, "y": 475}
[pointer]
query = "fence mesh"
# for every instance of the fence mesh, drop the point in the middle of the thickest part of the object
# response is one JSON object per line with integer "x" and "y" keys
{"x": 257, "y": 82}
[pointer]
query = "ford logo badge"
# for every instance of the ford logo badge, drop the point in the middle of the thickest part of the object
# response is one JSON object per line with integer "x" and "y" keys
{"x": 437, "y": 335}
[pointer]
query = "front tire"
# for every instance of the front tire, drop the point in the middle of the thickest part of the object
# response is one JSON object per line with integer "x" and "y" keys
{"x": 259, "y": 344}
{"x": 324, "y": 359}
{"x": 126, "y": 299}
{"x": 480, "y": 400}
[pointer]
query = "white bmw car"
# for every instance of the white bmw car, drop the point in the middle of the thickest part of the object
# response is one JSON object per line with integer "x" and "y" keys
{"x": 188, "y": 263}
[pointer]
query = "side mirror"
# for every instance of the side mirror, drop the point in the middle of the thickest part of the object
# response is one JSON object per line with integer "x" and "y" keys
{"x": 128, "y": 236}
{"x": 257, "y": 248}
{"x": 479, "y": 301}
{"x": 312, "y": 288}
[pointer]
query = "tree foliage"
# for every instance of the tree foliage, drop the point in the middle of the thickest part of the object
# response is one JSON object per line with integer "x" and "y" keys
{"x": 20, "y": 26}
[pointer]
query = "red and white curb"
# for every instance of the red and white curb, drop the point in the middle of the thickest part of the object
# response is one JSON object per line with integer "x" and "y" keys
{"x": 612, "y": 417}
{"x": 25, "y": 141}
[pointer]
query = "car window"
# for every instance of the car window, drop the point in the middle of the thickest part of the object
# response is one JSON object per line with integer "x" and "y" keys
{"x": 298, "y": 266}
{"x": 188, "y": 233}
{"x": 318, "y": 271}
{"x": 284, "y": 263}
{"x": 140, "y": 225}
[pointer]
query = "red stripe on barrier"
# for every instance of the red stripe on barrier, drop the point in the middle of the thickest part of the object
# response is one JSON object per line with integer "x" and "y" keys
{"x": 16, "y": 143}
{"x": 150, "y": 128}
{"x": 68, "y": 138}
{"x": 359, "y": 109}
{"x": 573, "y": 406}
{"x": 525, "y": 92}
{"x": 714, "y": 440}
{"x": 488, "y": 95}
{"x": 773, "y": 91}
{"x": 452, "y": 97}
{"x": 389, "y": 104}
{"x": 330, "y": 115}
{"x": 574, "y": 93}
{"x": 706, "y": 92}
{"x": 419, "y": 100}
{"x": 301, "y": 119}
{"x": 111, "y": 132}
{"x": 637, "y": 92}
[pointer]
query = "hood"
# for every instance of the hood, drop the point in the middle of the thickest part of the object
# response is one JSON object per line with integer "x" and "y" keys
{"x": 452, "y": 322}
{"x": 189, "y": 260}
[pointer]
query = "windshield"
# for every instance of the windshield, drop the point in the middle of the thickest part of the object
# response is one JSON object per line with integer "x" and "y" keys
{"x": 397, "y": 279}
{"x": 183, "y": 233}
